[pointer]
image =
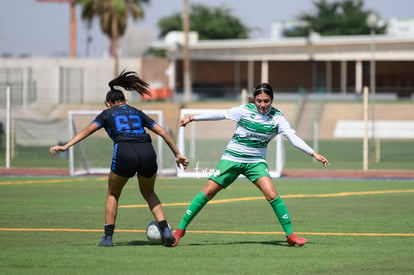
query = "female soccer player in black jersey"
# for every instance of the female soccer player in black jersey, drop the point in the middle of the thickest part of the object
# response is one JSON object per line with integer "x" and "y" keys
{"x": 133, "y": 152}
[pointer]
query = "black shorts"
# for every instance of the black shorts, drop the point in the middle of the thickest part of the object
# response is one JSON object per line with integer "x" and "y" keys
{"x": 132, "y": 157}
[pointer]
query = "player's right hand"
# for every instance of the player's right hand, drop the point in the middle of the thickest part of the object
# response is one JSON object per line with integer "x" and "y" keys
{"x": 185, "y": 121}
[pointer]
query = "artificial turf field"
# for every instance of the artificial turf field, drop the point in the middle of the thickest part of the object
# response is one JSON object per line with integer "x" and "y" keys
{"x": 52, "y": 226}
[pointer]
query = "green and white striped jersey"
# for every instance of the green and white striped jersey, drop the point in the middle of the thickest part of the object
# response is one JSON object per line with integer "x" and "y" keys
{"x": 254, "y": 131}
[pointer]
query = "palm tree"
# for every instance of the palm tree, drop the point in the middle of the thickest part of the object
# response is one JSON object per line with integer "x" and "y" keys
{"x": 113, "y": 16}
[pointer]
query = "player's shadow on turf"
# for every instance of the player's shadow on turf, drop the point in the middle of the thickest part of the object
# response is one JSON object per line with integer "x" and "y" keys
{"x": 146, "y": 243}
{"x": 278, "y": 243}
{"x": 133, "y": 243}
{"x": 136, "y": 243}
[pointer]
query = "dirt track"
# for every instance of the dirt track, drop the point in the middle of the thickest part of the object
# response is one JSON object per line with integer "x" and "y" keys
{"x": 371, "y": 174}
{"x": 327, "y": 173}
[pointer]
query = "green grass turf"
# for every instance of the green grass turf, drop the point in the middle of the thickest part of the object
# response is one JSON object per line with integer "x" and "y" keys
{"x": 78, "y": 203}
{"x": 343, "y": 154}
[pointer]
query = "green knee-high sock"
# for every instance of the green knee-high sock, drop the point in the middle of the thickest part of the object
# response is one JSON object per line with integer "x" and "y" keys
{"x": 282, "y": 214}
{"x": 195, "y": 206}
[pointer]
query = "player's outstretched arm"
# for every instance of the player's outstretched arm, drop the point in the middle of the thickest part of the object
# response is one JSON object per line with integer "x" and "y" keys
{"x": 219, "y": 115}
{"x": 84, "y": 133}
{"x": 180, "y": 159}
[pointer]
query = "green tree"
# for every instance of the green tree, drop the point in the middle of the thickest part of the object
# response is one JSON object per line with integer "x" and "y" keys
{"x": 113, "y": 16}
{"x": 346, "y": 17}
{"x": 209, "y": 22}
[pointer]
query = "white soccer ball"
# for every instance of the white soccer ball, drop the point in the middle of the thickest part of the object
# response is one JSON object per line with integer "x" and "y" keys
{"x": 154, "y": 233}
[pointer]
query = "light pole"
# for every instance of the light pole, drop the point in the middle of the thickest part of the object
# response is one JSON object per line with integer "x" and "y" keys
{"x": 171, "y": 71}
{"x": 186, "y": 52}
{"x": 72, "y": 31}
{"x": 372, "y": 22}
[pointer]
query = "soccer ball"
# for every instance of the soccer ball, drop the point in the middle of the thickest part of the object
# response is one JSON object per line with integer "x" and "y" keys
{"x": 154, "y": 233}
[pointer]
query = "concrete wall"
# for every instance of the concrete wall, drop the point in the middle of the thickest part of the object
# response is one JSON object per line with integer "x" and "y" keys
{"x": 96, "y": 73}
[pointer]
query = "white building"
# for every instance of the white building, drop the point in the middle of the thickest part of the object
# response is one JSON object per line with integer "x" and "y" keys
{"x": 395, "y": 26}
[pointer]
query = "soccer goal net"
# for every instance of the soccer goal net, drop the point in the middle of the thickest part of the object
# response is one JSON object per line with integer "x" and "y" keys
{"x": 93, "y": 155}
{"x": 203, "y": 143}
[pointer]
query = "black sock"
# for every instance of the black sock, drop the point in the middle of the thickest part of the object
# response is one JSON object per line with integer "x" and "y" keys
{"x": 163, "y": 224}
{"x": 109, "y": 229}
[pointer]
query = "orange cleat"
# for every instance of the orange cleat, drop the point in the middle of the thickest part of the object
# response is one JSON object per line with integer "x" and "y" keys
{"x": 179, "y": 233}
{"x": 293, "y": 240}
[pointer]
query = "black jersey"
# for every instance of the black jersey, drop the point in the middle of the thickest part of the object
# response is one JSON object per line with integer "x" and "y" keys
{"x": 125, "y": 123}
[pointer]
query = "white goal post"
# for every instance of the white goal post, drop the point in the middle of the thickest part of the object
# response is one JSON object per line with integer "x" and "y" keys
{"x": 93, "y": 155}
{"x": 204, "y": 142}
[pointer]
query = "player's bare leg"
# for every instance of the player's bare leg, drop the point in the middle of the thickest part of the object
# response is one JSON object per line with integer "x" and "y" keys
{"x": 146, "y": 187}
{"x": 115, "y": 185}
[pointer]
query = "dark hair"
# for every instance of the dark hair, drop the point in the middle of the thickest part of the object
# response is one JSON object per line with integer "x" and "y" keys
{"x": 263, "y": 88}
{"x": 128, "y": 80}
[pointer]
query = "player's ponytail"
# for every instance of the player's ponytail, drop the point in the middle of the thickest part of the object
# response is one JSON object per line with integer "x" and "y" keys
{"x": 128, "y": 80}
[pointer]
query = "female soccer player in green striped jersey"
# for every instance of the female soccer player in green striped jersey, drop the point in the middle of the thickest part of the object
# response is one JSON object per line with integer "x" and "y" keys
{"x": 257, "y": 124}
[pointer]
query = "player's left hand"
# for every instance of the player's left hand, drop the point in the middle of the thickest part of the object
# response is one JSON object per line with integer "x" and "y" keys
{"x": 321, "y": 158}
{"x": 54, "y": 150}
{"x": 182, "y": 161}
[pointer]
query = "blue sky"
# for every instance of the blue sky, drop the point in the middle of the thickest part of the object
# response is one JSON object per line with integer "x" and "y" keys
{"x": 42, "y": 29}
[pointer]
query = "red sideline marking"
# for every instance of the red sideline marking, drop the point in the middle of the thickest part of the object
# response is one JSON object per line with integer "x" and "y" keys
{"x": 51, "y": 181}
